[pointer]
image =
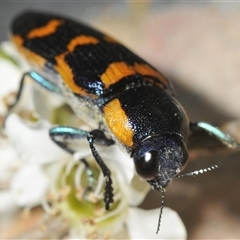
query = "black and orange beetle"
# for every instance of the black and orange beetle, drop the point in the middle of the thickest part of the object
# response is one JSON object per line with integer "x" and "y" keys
{"x": 102, "y": 80}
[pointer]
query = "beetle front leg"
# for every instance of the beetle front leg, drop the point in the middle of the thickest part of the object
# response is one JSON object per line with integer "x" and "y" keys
{"x": 61, "y": 133}
{"x": 216, "y": 132}
{"x": 98, "y": 137}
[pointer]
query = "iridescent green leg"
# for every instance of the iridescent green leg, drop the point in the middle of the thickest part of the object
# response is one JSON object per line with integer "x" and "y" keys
{"x": 61, "y": 133}
{"x": 45, "y": 83}
{"x": 216, "y": 132}
{"x": 40, "y": 80}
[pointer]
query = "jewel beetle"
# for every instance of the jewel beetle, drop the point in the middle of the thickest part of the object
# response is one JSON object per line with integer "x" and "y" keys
{"x": 131, "y": 102}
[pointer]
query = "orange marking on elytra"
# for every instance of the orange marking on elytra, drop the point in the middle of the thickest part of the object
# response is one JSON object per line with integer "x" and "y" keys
{"x": 110, "y": 40}
{"x": 65, "y": 70}
{"x": 118, "y": 123}
{"x": 118, "y": 70}
{"x": 32, "y": 57}
{"x": 145, "y": 69}
{"x": 66, "y": 73}
{"x": 81, "y": 40}
{"x": 17, "y": 39}
{"x": 115, "y": 72}
{"x": 46, "y": 30}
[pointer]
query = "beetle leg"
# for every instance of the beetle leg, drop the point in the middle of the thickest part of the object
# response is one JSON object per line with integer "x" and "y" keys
{"x": 58, "y": 134}
{"x": 40, "y": 80}
{"x": 98, "y": 137}
{"x": 212, "y": 130}
{"x": 61, "y": 133}
{"x": 45, "y": 83}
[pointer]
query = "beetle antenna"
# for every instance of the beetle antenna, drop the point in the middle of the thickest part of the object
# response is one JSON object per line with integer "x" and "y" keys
{"x": 190, "y": 174}
{"x": 201, "y": 171}
{"x": 161, "y": 209}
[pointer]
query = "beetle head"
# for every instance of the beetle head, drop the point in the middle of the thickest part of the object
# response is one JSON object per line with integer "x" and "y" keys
{"x": 158, "y": 159}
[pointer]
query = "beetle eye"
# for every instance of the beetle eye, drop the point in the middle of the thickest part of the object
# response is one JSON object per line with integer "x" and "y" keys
{"x": 147, "y": 166}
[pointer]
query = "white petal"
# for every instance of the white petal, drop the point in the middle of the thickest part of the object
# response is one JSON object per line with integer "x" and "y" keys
{"x": 83, "y": 151}
{"x": 29, "y": 185}
{"x": 8, "y": 205}
{"x": 114, "y": 157}
{"x": 33, "y": 143}
{"x": 11, "y": 50}
{"x": 9, "y": 160}
{"x": 142, "y": 224}
{"x": 10, "y": 76}
{"x": 137, "y": 191}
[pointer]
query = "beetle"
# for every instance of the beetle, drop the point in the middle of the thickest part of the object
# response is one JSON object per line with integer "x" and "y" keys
{"x": 130, "y": 101}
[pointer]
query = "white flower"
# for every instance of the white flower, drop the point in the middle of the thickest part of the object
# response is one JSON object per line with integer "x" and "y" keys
{"x": 29, "y": 185}
{"x": 32, "y": 142}
{"x": 65, "y": 197}
{"x": 47, "y": 175}
{"x": 33, "y": 146}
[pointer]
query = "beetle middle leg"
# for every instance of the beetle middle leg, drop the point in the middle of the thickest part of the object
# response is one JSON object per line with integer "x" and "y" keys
{"x": 61, "y": 133}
